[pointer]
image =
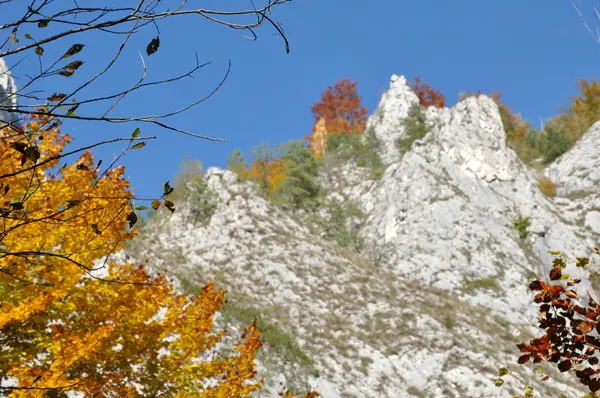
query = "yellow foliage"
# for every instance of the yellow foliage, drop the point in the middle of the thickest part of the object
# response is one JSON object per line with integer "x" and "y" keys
{"x": 318, "y": 142}
{"x": 583, "y": 112}
{"x": 268, "y": 174}
{"x": 64, "y": 329}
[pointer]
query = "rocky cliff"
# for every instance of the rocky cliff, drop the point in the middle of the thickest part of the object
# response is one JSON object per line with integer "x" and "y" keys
{"x": 436, "y": 301}
{"x": 8, "y": 98}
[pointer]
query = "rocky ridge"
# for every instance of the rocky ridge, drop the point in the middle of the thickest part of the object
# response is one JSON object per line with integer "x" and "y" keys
{"x": 8, "y": 98}
{"x": 443, "y": 309}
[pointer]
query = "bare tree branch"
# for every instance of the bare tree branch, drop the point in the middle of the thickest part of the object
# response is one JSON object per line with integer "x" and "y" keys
{"x": 64, "y": 20}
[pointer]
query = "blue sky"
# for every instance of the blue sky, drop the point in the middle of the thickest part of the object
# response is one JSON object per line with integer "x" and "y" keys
{"x": 533, "y": 51}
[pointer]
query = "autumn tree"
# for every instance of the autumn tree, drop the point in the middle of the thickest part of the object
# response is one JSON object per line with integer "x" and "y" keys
{"x": 341, "y": 109}
{"x": 300, "y": 187}
{"x": 428, "y": 96}
{"x": 236, "y": 162}
{"x": 70, "y": 320}
{"x": 63, "y": 326}
{"x": 267, "y": 170}
{"x": 317, "y": 142}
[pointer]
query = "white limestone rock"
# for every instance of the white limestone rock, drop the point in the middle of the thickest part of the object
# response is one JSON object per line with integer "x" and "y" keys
{"x": 8, "y": 98}
{"x": 446, "y": 307}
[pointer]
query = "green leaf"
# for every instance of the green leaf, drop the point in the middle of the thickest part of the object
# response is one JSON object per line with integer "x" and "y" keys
{"x": 32, "y": 154}
{"x": 71, "y": 111}
{"x": 153, "y": 46}
{"x": 559, "y": 262}
{"x": 141, "y": 208}
{"x": 75, "y": 48}
{"x": 66, "y": 73}
{"x": 95, "y": 229}
{"x": 73, "y": 65}
{"x": 582, "y": 262}
{"x": 167, "y": 189}
{"x": 43, "y": 23}
{"x": 132, "y": 218}
{"x": 502, "y": 372}
{"x": 138, "y": 145}
{"x": 498, "y": 382}
{"x": 39, "y": 51}
{"x": 17, "y": 205}
{"x": 135, "y": 134}
{"x": 28, "y": 36}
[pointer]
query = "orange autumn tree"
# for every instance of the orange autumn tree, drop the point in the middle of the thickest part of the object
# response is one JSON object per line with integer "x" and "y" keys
{"x": 65, "y": 327}
{"x": 317, "y": 143}
{"x": 428, "y": 96}
{"x": 341, "y": 109}
{"x": 267, "y": 170}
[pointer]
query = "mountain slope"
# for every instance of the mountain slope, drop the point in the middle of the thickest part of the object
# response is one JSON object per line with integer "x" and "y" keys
{"x": 435, "y": 302}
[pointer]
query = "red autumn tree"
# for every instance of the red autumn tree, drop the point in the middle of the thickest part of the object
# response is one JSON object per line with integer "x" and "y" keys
{"x": 341, "y": 107}
{"x": 428, "y": 96}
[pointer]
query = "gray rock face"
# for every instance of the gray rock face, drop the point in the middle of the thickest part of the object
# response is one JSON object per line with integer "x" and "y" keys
{"x": 577, "y": 172}
{"x": 443, "y": 309}
{"x": 8, "y": 99}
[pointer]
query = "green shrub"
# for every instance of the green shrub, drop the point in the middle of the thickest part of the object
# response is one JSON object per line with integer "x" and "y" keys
{"x": 274, "y": 337}
{"x": 362, "y": 149}
{"x": 472, "y": 285}
{"x": 553, "y": 142}
{"x": 236, "y": 162}
{"x": 527, "y": 149}
{"x": 336, "y": 226}
{"x": 191, "y": 188}
{"x": 300, "y": 188}
{"x": 415, "y": 128}
{"x": 521, "y": 224}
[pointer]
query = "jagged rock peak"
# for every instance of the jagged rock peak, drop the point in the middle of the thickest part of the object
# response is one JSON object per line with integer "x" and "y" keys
{"x": 470, "y": 133}
{"x": 8, "y": 98}
{"x": 578, "y": 170}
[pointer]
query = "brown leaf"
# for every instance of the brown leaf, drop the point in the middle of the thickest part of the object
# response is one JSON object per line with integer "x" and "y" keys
{"x": 555, "y": 274}
{"x": 565, "y": 365}
{"x": 153, "y": 46}
{"x": 537, "y": 285}
{"x": 75, "y": 48}
{"x": 66, "y": 73}
{"x": 524, "y": 358}
{"x": 56, "y": 97}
